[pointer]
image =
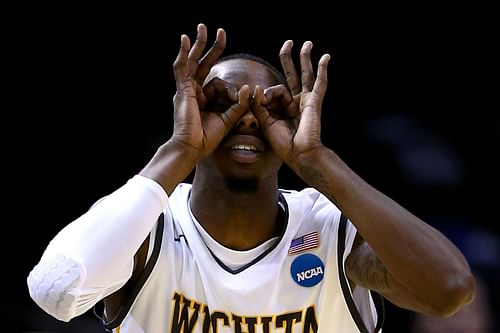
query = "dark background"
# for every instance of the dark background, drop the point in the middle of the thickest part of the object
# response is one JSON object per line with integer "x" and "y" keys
{"x": 86, "y": 99}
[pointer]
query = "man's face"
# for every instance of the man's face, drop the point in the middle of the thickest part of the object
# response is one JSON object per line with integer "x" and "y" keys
{"x": 244, "y": 154}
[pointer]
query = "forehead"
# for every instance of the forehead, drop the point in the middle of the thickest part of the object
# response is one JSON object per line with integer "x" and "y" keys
{"x": 243, "y": 71}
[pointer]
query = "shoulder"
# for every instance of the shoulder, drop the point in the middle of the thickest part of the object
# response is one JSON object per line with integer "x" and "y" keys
{"x": 180, "y": 193}
{"x": 178, "y": 203}
{"x": 308, "y": 192}
{"x": 310, "y": 202}
{"x": 307, "y": 197}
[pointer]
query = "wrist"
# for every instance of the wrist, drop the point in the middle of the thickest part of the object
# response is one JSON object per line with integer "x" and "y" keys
{"x": 305, "y": 159}
{"x": 170, "y": 165}
{"x": 309, "y": 164}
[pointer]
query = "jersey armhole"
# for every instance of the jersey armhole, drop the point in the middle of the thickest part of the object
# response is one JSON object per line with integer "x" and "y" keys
{"x": 128, "y": 293}
{"x": 377, "y": 298}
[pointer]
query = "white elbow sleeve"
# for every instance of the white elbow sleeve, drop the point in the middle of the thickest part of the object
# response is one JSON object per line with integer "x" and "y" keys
{"x": 60, "y": 285}
{"x": 92, "y": 257}
{"x": 54, "y": 286}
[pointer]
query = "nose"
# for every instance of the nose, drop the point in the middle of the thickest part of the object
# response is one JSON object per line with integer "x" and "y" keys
{"x": 248, "y": 121}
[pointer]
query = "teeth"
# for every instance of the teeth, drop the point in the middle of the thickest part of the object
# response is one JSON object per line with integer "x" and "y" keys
{"x": 244, "y": 147}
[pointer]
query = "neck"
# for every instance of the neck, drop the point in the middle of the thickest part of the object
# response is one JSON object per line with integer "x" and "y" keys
{"x": 238, "y": 219}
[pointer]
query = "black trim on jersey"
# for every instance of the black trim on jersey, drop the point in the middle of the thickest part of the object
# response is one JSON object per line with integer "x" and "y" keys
{"x": 377, "y": 299}
{"x": 122, "y": 313}
{"x": 283, "y": 218}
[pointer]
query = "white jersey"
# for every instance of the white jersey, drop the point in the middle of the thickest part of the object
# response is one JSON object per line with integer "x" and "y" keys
{"x": 296, "y": 285}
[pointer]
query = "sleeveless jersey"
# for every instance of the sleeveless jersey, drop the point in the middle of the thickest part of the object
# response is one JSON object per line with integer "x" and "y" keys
{"x": 297, "y": 285}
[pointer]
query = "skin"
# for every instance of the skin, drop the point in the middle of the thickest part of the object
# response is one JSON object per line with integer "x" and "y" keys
{"x": 396, "y": 254}
{"x": 252, "y": 212}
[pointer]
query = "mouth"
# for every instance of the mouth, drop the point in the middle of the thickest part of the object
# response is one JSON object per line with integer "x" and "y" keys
{"x": 244, "y": 148}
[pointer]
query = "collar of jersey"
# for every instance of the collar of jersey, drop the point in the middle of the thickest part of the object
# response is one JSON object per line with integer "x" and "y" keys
{"x": 234, "y": 261}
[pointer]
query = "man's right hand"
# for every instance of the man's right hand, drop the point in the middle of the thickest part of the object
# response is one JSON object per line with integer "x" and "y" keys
{"x": 199, "y": 133}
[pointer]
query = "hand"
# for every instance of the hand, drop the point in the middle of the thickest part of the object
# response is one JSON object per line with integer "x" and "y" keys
{"x": 296, "y": 130}
{"x": 199, "y": 133}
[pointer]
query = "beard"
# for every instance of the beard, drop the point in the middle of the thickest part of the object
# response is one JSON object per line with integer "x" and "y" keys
{"x": 242, "y": 185}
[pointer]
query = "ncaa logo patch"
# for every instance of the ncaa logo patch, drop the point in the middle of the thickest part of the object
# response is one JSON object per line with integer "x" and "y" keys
{"x": 307, "y": 270}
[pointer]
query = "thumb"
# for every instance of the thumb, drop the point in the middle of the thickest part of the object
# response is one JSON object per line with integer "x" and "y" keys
{"x": 259, "y": 110}
{"x": 237, "y": 110}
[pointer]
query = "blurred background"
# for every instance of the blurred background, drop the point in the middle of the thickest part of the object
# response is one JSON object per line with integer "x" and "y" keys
{"x": 86, "y": 100}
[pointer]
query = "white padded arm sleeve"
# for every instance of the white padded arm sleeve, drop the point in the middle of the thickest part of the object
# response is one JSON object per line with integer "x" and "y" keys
{"x": 93, "y": 256}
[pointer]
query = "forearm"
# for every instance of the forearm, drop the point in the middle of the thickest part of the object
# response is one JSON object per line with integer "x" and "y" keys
{"x": 418, "y": 256}
{"x": 170, "y": 165}
{"x": 93, "y": 256}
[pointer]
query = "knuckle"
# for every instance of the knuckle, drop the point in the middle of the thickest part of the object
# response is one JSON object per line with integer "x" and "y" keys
{"x": 201, "y": 39}
{"x": 218, "y": 46}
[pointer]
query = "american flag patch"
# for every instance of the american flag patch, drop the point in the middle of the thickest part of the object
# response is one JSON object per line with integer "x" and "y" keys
{"x": 303, "y": 243}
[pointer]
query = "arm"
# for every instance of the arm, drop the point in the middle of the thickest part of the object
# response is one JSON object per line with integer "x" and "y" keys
{"x": 404, "y": 259}
{"x": 398, "y": 255}
{"x": 196, "y": 134}
{"x": 94, "y": 256}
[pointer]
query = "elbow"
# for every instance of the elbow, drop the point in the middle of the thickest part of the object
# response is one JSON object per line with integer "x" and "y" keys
{"x": 51, "y": 304}
{"x": 52, "y": 287}
{"x": 53, "y": 301}
{"x": 457, "y": 292}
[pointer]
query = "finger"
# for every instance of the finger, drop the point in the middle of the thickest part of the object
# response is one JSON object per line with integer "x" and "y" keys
{"x": 201, "y": 97}
{"x": 197, "y": 49}
{"x": 236, "y": 111}
{"x": 244, "y": 97}
{"x": 212, "y": 56}
{"x": 219, "y": 91}
{"x": 292, "y": 78}
{"x": 179, "y": 66}
{"x": 306, "y": 67}
{"x": 322, "y": 80}
{"x": 257, "y": 97}
{"x": 278, "y": 99}
{"x": 215, "y": 88}
{"x": 258, "y": 108}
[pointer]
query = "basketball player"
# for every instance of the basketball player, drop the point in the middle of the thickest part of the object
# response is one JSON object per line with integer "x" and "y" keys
{"x": 232, "y": 252}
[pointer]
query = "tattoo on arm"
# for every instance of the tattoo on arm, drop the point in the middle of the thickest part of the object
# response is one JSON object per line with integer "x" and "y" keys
{"x": 365, "y": 269}
{"x": 317, "y": 179}
{"x": 376, "y": 276}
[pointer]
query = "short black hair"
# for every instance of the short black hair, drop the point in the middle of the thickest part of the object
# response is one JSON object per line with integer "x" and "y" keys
{"x": 248, "y": 56}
